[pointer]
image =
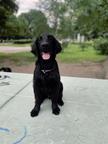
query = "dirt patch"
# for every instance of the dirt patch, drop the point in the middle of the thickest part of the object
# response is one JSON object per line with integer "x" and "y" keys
{"x": 86, "y": 69}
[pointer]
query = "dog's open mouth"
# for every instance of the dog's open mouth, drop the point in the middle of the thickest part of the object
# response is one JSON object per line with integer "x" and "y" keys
{"x": 46, "y": 55}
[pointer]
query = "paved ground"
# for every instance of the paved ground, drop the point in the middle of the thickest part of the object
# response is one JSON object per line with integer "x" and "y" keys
{"x": 83, "y": 118}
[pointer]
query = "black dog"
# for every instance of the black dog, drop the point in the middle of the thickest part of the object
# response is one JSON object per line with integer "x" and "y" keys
{"x": 5, "y": 69}
{"x": 46, "y": 81}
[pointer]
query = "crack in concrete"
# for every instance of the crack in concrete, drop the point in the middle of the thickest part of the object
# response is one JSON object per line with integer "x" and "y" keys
{"x": 6, "y": 102}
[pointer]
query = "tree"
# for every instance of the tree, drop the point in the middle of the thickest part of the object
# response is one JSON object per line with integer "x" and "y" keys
{"x": 91, "y": 15}
{"x": 7, "y": 7}
{"x": 60, "y": 17}
{"x": 16, "y": 26}
{"x": 28, "y": 24}
{"x": 11, "y": 27}
{"x": 54, "y": 11}
{"x": 24, "y": 26}
{"x": 36, "y": 21}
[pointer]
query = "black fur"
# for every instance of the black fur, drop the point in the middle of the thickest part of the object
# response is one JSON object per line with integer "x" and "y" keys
{"x": 46, "y": 81}
{"x": 6, "y": 69}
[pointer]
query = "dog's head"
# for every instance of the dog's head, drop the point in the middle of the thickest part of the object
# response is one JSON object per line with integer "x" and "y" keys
{"x": 46, "y": 46}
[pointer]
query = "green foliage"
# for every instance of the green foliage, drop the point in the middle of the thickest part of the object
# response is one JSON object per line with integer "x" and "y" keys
{"x": 56, "y": 11}
{"x": 29, "y": 24}
{"x": 16, "y": 26}
{"x": 12, "y": 26}
{"x": 101, "y": 45}
{"x": 35, "y": 21}
{"x": 64, "y": 45}
{"x": 23, "y": 26}
{"x": 91, "y": 16}
{"x": 88, "y": 17}
{"x": 7, "y": 7}
{"x": 10, "y": 5}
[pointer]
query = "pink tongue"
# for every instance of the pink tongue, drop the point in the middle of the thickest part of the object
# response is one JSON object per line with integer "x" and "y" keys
{"x": 45, "y": 56}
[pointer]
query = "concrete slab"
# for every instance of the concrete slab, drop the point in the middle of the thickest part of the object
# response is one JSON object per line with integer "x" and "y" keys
{"x": 11, "y": 84}
{"x": 83, "y": 118}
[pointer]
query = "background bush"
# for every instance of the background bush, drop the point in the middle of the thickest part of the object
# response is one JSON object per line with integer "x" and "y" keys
{"x": 101, "y": 45}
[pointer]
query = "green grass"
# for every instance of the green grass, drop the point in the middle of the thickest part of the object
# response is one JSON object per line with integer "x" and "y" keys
{"x": 74, "y": 54}
{"x": 21, "y": 58}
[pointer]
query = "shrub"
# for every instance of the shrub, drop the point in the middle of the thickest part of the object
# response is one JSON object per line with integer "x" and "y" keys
{"x": 64, "y": 44}
{"x": 101, "y": 45}
{"x": 83, "y": 46}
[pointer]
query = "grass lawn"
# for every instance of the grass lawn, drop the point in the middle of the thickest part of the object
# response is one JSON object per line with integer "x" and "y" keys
{"x": 74, "y": 54}
{"x": 71, "y": 54}
{"x": 20, "y": 58}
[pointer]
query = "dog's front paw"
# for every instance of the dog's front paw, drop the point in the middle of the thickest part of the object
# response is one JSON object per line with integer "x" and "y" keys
{"x": 56, "y": 110}
{"x": 35, "y": 112}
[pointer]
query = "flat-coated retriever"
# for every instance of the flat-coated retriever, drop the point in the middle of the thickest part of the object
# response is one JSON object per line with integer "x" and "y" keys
{"x": 46, "y": 81}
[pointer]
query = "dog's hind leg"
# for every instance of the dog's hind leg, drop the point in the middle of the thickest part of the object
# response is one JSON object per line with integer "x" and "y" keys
{"x": 54, "y": 98}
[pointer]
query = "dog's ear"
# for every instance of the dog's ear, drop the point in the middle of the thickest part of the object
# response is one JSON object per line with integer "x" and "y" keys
{"x": 34, "y": 47}
{"x": 57, "y": 45}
